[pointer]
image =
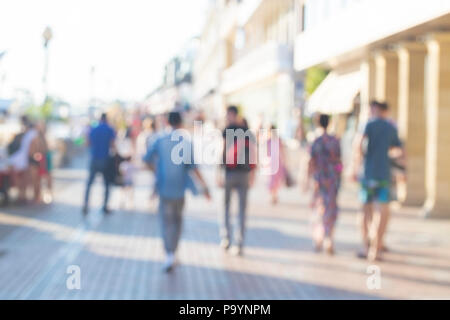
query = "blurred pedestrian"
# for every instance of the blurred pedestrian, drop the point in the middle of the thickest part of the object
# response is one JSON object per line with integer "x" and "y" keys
{"x": 172, "y": 180}
{"x": 135, "y": 127}
{"x": 5, "y": 177}
{"x": 145, "y": 137}
{"x": 161, "y": 123}
{"x": 143, "y": 142}
{"x": 277, "y": 158}
{"x": 38, "y": 161}
{"x": 325, "y": 167}
{"x": 19, "y": 151}
{"x": 124, "y": 142}
{"x": 379, "y": 137}
{"x": 101, "y": 141}
{"x": 239, "y": 162}
{"x": 48, "y": 196}
{"x": 127, "y": 170}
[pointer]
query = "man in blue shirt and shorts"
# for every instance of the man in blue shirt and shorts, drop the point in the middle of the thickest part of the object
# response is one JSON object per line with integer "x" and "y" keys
{"x": 380, "y": 136}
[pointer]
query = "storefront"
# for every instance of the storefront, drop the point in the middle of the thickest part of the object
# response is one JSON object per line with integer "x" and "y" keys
{"x": 267, "y": 103}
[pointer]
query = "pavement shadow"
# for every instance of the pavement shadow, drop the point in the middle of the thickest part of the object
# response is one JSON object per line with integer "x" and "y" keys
{"x": 244, "y": 285}
{"x": 118, "y": 278}
{"x": 121, "y": 223}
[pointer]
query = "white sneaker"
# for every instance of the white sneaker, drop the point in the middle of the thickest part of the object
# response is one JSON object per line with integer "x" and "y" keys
{"x": 170, "y": 262}
{"x": 225, "y": 244}
{"x": 236, "y": 251}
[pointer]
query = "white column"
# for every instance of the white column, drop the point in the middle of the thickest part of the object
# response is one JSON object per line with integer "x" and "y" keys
{"x": 411, "y": 118}
{"x": 438, "y": 126}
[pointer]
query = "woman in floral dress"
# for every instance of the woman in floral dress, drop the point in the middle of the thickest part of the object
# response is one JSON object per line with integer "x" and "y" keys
{"x": 325, "y": 168}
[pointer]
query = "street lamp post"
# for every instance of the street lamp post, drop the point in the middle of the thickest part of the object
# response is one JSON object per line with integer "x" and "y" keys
{"x": 92, "y": 101}
{"x": 92, "y": 87}
{"x": 47, "y": 35}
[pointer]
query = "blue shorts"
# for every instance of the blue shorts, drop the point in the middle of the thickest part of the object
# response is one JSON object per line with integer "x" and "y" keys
{"x": 375, "y": 191}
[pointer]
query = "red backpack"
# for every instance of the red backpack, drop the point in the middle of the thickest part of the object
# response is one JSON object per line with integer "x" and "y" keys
{"x": 241, "y": 149}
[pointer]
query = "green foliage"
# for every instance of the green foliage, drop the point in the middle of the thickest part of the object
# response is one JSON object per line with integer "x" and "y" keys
{"x": 314, "y": 77}
{"x": 43, "y": 111}
{"x": 47, "y": 109}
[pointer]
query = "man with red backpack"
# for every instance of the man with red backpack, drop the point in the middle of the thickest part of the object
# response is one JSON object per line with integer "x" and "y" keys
{"x": 239, "y": 163}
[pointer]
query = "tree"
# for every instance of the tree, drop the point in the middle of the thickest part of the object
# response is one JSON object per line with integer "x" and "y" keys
{"x": 314, "y": 77}
{"x": 43, "y": 111}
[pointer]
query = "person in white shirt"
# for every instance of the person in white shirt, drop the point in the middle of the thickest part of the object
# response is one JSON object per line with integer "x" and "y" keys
{"x": 19, "y": 160}
{"x": 127, "y": 170}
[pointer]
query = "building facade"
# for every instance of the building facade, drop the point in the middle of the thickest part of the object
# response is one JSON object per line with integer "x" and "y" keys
{"x": 176, "y": 89}
{"x": 246, "y": 59}
{"x": 398, "y": 52}
{"x": 214, "y": 57}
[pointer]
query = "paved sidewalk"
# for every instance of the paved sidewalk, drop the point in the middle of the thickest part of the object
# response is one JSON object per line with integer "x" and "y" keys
{"x": 120, "y": 256}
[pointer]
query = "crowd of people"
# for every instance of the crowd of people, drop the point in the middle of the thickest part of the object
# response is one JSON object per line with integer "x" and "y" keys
{"x": 154, "y": 149}
{"x": 117, "y": 155}
{"x": 372, "y": 168}
{"x": 28, "y": 164}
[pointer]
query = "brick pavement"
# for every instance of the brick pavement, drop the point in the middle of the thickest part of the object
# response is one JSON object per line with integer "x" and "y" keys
{"x": 120, "y": 256}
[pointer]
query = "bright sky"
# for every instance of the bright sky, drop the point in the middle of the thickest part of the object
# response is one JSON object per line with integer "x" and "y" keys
{"x": 128, "y": 41}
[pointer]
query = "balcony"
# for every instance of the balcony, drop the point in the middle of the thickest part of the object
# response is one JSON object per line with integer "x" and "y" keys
{"x": 261, "y": 63}
{"x": 368, "y": 24}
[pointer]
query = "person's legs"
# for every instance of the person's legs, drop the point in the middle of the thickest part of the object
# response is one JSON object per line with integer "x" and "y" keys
{"x": 367, "y": 198}
{"x": 21, "y": 183}
{"x": 92, "y": 173}
{"x": 103, "y": 167}
{"x": 242, "y": 188}
{"x": 328, "y": 197}
{"x": 36, "y": 182}
{"x": 170, "y": 214}
{"x": 123, "y": 197}
{"x": 274, "y": 185}
{"x": 366, "y": 223}
{"x": 376, "y": 247}
{"x": 274, "y": 193}
{"x": 8, "y": 183}
{"x": 318, "y": 231}
{"x": 170, "y": 219}
{"x": 319, "y": 205}
{"x": 178, "y": 223}
{"x": 4, "y": 187}
{"x": 225, "y": 230}
{"x": 127, "y": 197}
{"x": 383, "y": 198}
{"x": 164, "y": 214}
{"x": 49, "y": 193}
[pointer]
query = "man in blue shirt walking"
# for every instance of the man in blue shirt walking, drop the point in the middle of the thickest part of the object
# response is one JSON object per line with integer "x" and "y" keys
{"x": 171, "y": 158}
{"x": 380, "y": 136}
{"x": 101, "y": 140}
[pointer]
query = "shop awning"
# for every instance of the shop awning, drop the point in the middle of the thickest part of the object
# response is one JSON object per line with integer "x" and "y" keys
{"x": 336, "y": 93}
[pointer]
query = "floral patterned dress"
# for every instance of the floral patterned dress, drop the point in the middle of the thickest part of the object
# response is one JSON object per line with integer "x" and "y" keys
{"x": 326, "y": 169}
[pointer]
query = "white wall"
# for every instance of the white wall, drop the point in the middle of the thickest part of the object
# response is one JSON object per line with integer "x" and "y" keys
{"x": 358, "y": 25}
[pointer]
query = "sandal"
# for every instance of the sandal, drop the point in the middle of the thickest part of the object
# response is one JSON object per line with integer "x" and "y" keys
{"x": 317, "y": 246}
{"x": 361, "y": 254}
